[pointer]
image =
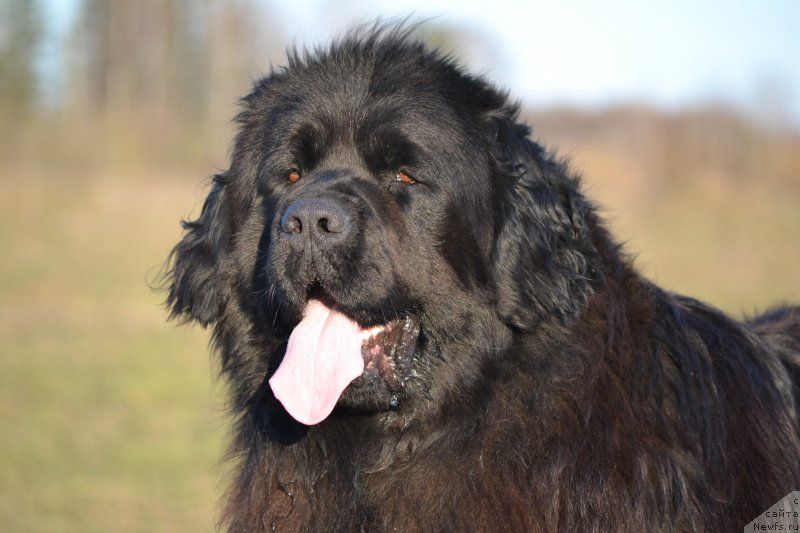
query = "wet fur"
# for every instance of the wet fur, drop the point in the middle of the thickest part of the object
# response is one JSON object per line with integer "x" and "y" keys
{"x": 554, "y": 388}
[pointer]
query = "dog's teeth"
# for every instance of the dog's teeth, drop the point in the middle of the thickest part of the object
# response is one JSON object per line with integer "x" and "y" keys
{"x": 367, "y": 334}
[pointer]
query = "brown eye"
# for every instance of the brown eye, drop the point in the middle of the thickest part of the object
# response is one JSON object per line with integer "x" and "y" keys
{"x": 293, "y": 176}
{"x": 403, "y": 177}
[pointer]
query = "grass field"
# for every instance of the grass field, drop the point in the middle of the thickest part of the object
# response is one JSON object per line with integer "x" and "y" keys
{"x": 110, "y": 419}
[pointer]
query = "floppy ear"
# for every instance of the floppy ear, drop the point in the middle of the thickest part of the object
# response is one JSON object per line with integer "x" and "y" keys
{"x": 544, "y": 259}
{"x": 194, "y": 277}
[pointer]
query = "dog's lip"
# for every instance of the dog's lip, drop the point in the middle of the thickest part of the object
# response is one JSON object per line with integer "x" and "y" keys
{"x": 316, "y": 290}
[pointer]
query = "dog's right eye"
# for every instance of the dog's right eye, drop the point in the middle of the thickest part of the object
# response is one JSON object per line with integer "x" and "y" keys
{"x": 293, "y": 176}
{"x": 403, "y": 177}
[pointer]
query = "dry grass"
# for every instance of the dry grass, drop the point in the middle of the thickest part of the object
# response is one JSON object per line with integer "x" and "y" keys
{"x": 733, "y": 245}
{"x": 708, "y": 202}
{"x": 109, "y": 418}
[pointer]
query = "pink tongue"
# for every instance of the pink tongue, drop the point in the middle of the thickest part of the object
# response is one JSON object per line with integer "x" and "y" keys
{"x": 322, "y": 357}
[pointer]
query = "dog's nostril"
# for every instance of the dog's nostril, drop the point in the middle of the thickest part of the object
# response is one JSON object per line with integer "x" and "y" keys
{"x": 293, "y": 225}
{"x": 332, "y": 225}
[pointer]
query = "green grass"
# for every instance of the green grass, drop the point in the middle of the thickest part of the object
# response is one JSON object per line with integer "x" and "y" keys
{"x": 110, "y": 419}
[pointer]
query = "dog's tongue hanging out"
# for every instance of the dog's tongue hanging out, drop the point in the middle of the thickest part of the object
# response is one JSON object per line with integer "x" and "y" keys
{"x": 322, "y": 357}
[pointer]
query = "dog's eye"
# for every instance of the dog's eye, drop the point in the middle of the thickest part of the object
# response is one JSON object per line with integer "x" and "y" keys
{"x": 293, "y": 176}
{"x": 403, "y": 177}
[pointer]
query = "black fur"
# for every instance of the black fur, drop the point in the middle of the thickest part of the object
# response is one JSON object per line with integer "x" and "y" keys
{"x": 553, "y": 388}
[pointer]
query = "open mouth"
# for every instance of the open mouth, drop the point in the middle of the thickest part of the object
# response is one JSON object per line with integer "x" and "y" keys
{"x": 328, "y": 350}
{"x": 388, "y": 349}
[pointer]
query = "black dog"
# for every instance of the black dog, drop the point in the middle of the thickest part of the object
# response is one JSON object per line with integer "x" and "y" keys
{"x": 426, "y": 327}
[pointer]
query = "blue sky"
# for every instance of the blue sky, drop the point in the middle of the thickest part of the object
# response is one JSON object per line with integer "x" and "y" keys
{"x": 594, "y": 53}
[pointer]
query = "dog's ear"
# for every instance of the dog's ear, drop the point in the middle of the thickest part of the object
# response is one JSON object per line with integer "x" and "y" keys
{"x": 544, "y": 259}
{"x": 195, "y": 276}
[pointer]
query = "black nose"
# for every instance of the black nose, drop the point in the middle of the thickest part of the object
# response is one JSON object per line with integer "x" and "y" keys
{"x": 322, "y": 221}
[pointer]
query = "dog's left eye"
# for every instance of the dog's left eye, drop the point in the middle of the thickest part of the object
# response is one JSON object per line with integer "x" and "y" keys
{"x": 403, "y": 177}
{"x": 293, "y": 176}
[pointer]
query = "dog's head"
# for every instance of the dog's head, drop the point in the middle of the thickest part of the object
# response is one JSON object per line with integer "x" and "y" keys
{"x": 385, "y": 223}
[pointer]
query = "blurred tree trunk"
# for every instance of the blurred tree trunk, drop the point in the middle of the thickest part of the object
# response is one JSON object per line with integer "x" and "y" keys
{"x": 162, "y": 74}
{"x": 143, "y": 65}
{"x": 21, "y": 32}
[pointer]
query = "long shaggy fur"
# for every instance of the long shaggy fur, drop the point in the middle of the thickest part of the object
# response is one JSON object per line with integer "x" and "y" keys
{"x": 553, "y": 387}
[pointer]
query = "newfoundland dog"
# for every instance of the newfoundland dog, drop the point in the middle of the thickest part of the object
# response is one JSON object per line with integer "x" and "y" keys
{"x": 425, "y": 325}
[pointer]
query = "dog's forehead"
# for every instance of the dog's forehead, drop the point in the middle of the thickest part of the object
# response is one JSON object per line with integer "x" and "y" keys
{"x": 359, "y": 111}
